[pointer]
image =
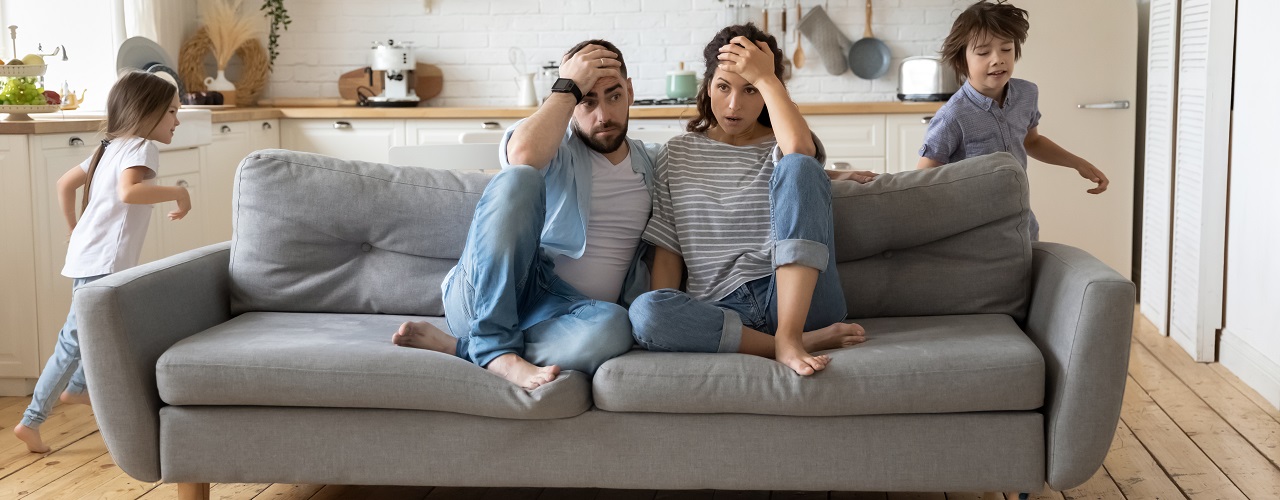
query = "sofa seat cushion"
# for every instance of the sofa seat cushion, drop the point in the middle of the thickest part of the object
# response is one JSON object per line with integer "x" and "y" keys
{"x": 346, "y": 361}
{"x": 938, "y": 364}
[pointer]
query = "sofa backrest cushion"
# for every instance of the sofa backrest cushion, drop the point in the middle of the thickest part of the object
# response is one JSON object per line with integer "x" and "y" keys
{"x": 947, "y": 240}
{"x": 319, "y": 234}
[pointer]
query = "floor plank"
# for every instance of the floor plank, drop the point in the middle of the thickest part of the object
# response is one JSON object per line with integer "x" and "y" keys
{"x": 366, "y": 492}
{"x": 796, "y": 495}
{"x": 81, "y": 481}
{"x": 452, "y": 493}
{"x": 51, "y": 467}
{"x": 1098, "y": 487}
{"x": 1134, "y": 471}
{"x": 1249, "y": 392}
{"x": 237, "y": 491}
{"x": 1260, "y": 429}
{"x": 858, "y": 495}
{"x": 611, "y": 494}
{"x": 1251, "y": 472}
{"x": 570, "y": 494}
{"x": 281, "y": 491}
{"x": 512, "y": 494}
{"x": 742, "y": 495}
{"x": 65, "y": 426}
{"x": 121, "y": 487}
{"x": 684, "y": 495}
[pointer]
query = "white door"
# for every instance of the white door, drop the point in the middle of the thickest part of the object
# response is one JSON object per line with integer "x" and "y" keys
{"x": 1085, "y": 52}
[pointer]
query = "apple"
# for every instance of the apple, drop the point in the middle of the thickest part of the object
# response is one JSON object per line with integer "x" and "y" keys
{"x": 33, "y": 60}
{"x": 52, "y": 97}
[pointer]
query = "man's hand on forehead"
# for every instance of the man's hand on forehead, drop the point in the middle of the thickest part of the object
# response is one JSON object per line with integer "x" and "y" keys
{"x": 590, "y": 64}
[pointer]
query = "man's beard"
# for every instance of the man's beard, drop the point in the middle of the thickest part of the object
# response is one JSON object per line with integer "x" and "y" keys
{"x": 601, "y": 147}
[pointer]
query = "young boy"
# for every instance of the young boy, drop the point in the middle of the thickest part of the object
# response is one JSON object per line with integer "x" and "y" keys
{"x": 994, "y": 112}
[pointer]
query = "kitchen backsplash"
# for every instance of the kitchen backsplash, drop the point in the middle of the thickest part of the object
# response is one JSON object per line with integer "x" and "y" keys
{"x": 470, "y": 40}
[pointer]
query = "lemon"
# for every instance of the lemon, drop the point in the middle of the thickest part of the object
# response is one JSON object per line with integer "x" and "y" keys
{"x": 33, "y": 60}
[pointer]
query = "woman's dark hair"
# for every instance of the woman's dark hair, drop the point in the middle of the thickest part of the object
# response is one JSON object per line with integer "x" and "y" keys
{"x": 706, "y": 119}
{"x": 984, "y": 18}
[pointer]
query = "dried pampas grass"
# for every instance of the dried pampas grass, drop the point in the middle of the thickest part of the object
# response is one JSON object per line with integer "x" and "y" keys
{"x": 227, "y": 29}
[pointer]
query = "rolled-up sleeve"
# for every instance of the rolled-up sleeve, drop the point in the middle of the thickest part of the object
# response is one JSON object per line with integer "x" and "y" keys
{"x": 941, "y": 139}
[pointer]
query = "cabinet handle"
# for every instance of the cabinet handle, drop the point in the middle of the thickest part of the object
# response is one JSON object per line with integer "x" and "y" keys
{"x": 183, "y": 184}
{"x": 266, "y": 125}
{"x": 926, "y": 119}
{"x": 75, "y": 141}
{"x": 226, "y": 129}
{"x": 342, "y": 125}
{"x": 489, "y": 125}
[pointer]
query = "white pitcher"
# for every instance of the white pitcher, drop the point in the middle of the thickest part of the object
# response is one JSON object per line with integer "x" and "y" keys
{"x": 526, "y": 92}
{"x": 222, "y": 86}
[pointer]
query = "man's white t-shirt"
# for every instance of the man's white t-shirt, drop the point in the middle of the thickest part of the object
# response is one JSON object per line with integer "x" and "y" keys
{"x": 108, "y": 237}
{"x": 619, "y": 210}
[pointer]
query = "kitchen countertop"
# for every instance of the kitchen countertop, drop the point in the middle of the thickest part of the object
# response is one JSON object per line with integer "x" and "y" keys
{"x": 51, "y": 123}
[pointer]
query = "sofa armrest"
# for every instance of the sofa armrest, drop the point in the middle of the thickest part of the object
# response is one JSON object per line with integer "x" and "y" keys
{"x": 127, "y": 320}
{"x": 1081, "y": 317}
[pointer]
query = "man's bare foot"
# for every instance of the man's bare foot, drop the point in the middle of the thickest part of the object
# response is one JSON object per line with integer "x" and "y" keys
{"x": 423, "y": 335}
{"x": 834, "y": 337}
{"x": 31, "y": 437}
{"x": 522, "y": 373}
{"x": 793, "y": 354}
{"x": 74, "y": 398}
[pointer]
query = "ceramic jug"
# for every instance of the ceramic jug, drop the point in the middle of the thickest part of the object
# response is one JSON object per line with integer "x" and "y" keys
{"x": 526, "y": 91}
{"x": 222, "y": 86}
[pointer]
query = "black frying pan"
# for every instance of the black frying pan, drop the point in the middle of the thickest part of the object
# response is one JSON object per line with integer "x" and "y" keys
{"x": 869, "y": 57}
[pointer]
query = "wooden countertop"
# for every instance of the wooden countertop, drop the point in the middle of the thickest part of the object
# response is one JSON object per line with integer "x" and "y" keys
{"x": 331, "y": 108}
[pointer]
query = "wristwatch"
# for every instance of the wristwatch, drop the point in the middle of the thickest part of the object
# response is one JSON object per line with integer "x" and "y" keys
{"x": 566, "y": 86}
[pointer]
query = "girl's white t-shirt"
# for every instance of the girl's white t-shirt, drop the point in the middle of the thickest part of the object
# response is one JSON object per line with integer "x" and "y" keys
{"x": 108, "y": 237}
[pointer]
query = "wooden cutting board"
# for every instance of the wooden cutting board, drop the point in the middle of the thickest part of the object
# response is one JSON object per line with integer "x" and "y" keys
{"x": 429, "y": 81}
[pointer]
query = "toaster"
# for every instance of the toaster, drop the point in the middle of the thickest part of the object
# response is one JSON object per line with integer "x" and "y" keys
{"x": 926, "y": 78}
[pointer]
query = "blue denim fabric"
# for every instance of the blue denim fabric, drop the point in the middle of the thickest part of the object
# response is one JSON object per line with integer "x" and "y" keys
{"x": 504, "y": 296}
{"x": 800, "y": 202}
{"x": 63, "y": 369}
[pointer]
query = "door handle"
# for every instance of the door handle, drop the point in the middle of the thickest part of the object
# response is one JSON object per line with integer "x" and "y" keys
{"x": 342, "y": 125}
{"x": 1105, "y": 105}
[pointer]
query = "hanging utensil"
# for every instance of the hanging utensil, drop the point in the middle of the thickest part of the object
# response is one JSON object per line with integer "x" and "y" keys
{"x": 869, "y": 57}
{"x": 516, "y": 56}
{"x": 798, "y": 58}
{"x": 782, "y": 45}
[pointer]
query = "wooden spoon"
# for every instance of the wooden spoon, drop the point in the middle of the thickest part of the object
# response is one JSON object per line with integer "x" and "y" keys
{"x": 798, "y": 58}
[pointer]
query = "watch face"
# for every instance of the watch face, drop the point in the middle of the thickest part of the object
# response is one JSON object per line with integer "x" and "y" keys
{"x": 562, "y": 85}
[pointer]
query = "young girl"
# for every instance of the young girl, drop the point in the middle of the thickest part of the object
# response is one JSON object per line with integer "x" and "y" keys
{"x": 742, "y": 201}
{"x": 141, "y": 108}
{"x": 994, "y": 112}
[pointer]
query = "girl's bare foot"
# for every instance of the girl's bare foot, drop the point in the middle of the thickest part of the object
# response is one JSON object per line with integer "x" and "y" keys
{"x": 522, "y": 373}
{"x": 794, "y": 355}
{"x": 31, "y": 437}
{"x": 834, "y": 337}
{"x": 423, "y": 335}
{"x": 74, "y": 398}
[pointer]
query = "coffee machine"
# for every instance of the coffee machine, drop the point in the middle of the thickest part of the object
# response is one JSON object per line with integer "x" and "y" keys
{"x": 396, "y": 62}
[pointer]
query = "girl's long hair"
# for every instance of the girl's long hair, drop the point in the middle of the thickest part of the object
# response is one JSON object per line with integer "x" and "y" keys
{"x": 135, "y": 106}
{"x": 706, "y": 119}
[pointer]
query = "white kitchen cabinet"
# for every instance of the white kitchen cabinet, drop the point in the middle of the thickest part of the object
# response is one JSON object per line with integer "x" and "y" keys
{"x": 52, "y": 155}
{"x": 655, "y": 129}
{"x": 232, "y": 141}
{"x": 456, "y": 131}
{"x": 855, "y": 140}
{"x": 348, "y": 139}
{"x": 19, "y": 347}
{"x": 904, "y": 134}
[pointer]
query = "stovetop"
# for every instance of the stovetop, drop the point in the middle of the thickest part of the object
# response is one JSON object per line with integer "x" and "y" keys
{"x": 687, "y": 101}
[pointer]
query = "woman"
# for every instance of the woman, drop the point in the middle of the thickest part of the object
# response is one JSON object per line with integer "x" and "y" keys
{"x": 745, "y": 205}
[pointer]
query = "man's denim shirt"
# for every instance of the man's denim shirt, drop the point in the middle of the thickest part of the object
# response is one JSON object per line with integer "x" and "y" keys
{"x": 568, "y": 185}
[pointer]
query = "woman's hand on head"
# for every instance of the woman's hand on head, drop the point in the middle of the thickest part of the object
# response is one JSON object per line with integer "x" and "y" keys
{"x": 753, "y": 61}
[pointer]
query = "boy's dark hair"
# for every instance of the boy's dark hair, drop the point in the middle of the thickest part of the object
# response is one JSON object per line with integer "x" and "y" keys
{"x": 612, "y": 48}
{"x": 984, "y": 18}
{"x": 711, "y": 54}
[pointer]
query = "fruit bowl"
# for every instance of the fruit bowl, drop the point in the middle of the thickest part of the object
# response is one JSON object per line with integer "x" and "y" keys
{"x": 22, "y": 70}
{"x": 19, "y": 113}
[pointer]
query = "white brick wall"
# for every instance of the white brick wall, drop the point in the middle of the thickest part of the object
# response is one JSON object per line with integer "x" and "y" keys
{"x": 469, "y": 40}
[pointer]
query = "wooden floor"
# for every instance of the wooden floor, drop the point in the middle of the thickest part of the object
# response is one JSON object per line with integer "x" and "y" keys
{"x": 1187, "y": 430}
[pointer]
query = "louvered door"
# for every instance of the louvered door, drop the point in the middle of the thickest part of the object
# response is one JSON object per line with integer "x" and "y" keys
{"x": 1200, "y": 174}
{"x": 1157, "y": 196}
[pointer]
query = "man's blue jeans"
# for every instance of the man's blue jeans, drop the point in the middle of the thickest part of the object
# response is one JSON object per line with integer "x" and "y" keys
{"x": 63, "y": 369}
{"x": 800, "y": 203}
{"x": 504, "y": 295}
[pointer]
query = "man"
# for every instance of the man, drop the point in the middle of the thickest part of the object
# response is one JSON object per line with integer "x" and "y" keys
{"x": 554, "y": 249}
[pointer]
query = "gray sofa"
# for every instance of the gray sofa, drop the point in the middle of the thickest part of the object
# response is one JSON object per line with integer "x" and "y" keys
{"x": 994, "y": 364}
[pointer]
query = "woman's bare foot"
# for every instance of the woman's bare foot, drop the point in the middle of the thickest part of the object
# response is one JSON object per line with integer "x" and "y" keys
{"x": 793, "y": 354}
{"x": 522, "y": 373}
{"x": 31, "y": 437}
{"x": 74, "y": 398}
{"x": 834, "y": 337}
{"x": 423, "y": 335}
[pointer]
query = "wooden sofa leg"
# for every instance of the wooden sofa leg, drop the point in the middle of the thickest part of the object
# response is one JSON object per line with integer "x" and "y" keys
{"x": 193, "y": 491}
